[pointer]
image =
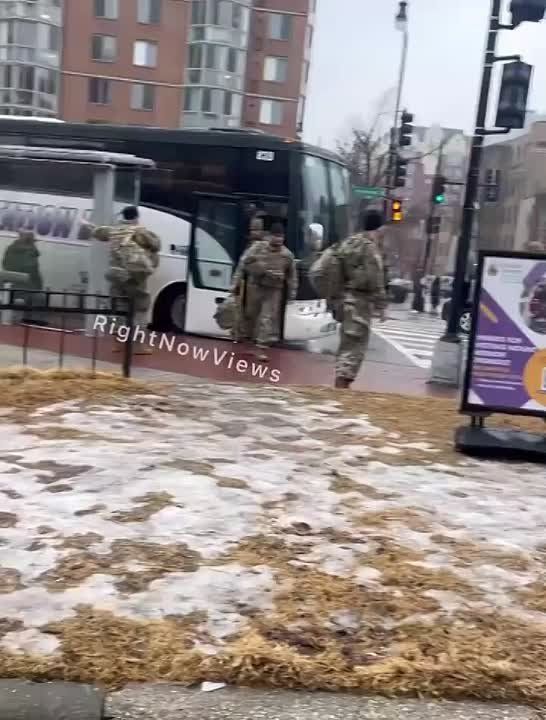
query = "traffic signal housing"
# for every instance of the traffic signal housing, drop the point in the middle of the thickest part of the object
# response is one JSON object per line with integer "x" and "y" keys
{"x": 439, "y": 190}
{"x": 433, "y": 225}
{"x": 527, "y": 11}
{"x": 512, "y": 108}
{"x": 397, "y": 214}
{"x": 406, "y": 129}
{"x": 400, "y": 172}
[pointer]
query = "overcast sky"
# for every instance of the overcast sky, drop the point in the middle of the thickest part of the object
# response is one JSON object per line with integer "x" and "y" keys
{"x": 356, "y": 56}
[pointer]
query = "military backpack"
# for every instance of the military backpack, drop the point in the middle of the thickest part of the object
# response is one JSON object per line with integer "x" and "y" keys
{"x": 326, "y": 275}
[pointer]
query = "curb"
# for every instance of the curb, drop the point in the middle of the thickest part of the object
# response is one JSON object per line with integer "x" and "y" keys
{"x": 26, "y": 700}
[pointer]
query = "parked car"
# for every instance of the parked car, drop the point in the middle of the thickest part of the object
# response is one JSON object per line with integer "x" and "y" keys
{"x": 465, "y": 316}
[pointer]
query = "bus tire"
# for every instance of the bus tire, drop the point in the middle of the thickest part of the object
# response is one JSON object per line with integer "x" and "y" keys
{"x": 170, "y": 309}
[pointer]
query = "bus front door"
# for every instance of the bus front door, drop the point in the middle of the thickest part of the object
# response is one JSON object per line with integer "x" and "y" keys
{"x": 217, "y": 239}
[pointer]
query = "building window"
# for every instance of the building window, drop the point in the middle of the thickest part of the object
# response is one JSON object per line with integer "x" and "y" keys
{"x": 26, "y": 78}
{"x": 276, "y": 69}
{"x": 47, "y": 81}
{"x": 198, "y": 12}
{"x": 228, "y": 103}
{"x": 149, "y": 12}
{"x": 145, "y": 53}
{"x": 22, "y": 32}
{"x": 232, "y": 60}
{"x": 107, "y": 9}
{"x": 210, "y": 59}
{"x": 222, "y": 13}
{"x": 195, "y": 56}
{"x": 191, "y": 99}
{"x": 104, "y": 48}
{"x": 271, "y": 112}
{"x": 280, "y": 26}
{"x": 99, "y": 91}
{"x": 142, "y": 97}
{"x": 206, "y": 101}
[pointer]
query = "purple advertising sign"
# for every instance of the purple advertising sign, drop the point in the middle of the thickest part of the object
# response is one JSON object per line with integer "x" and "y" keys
{"x": 506, "y": 367}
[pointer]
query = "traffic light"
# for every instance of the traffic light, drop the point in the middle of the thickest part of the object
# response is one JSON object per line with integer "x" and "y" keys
{"x": 400, "y": 172}
{"x": 406, "y": 130}
{"x": 439, "y": 190}
{"x": 527, "y": 11}
{"x": 397, "y": 214}
{"x": 492, "y": 184}
{"x": 512, "y": 109}
{"x": 433, "y": 225}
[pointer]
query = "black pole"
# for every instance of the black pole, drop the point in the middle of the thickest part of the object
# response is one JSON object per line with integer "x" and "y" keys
{"x": 431, "y": 215}
{"x": 472, "y": 183}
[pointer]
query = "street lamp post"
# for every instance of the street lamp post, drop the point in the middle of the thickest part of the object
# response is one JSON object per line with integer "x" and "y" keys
{"x": 401, "y": 23}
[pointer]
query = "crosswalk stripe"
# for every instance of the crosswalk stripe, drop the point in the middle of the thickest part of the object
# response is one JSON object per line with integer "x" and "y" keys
{"x": 415, "y": 337}
{"x": 405, "y": 333}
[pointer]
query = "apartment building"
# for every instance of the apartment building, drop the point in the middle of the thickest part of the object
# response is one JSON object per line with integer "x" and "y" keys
{"x": 162, "y": 63}
{"x": 30, "y": 57}
{"x": 516, "y": 213}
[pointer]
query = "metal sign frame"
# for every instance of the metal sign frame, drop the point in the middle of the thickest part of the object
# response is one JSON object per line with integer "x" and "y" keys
{"x": 466, "y": 407}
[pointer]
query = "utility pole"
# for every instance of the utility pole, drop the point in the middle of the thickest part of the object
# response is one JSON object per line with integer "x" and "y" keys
{"x": 472, "y": 183}
{"x": 401, "y": 21}
{"x": 447, "y": 357}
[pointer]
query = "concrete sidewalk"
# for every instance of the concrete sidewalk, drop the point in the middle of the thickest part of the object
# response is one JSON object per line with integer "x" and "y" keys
{"x": 168, "y": 702}
{"x": 23, "y": 700}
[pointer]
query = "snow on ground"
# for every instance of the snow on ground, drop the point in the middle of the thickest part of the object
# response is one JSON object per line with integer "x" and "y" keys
{"x": 173, "y": 489}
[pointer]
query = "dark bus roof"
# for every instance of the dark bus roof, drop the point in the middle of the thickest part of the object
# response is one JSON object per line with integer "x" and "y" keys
{"x": 234, "y": 138}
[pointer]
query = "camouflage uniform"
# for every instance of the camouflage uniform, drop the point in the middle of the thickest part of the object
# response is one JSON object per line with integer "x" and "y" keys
{"x": 364, "y": 292}
{"x": 135, "y": 247}
{"x": 22, "y": 256}
{"x": 264, "y": 273}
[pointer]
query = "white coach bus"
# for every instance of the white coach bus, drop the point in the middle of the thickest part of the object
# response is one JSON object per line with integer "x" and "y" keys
{"x": 198, "y": 199}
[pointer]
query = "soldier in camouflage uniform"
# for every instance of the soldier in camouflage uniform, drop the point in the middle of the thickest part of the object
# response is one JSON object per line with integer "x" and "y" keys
{"x": 256, "y": 231}
{"x": 134, "y": 255}
{"x": 265, "y": 277}
{"x": 364, "y": 293}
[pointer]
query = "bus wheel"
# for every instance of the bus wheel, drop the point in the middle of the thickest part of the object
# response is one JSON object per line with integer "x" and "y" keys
{"x": 170, "y": 309}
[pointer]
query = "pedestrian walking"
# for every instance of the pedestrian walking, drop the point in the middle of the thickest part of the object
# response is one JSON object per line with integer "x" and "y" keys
{"x": 363, "y": 294}
{"x": 134, "y": 255}
{"x": 256, "y": 230}
{"x": 435, "y": 295}
{"x": 22, "y": 256}
{"x": 265, "y": 279}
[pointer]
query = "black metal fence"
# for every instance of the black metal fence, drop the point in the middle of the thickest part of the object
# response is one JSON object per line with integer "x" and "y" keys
{"x": 30, "y": 302}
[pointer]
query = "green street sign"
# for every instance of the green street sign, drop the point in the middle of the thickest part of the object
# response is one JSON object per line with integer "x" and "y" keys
{"x": 368, "y": 192}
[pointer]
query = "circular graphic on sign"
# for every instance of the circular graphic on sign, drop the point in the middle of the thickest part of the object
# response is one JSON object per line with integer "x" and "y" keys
{"x": 533, "y": 308}
{"x": 534, "y": 377}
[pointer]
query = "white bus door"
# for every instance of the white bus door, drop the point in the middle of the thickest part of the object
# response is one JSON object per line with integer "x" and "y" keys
{"x": 217, "y": 241}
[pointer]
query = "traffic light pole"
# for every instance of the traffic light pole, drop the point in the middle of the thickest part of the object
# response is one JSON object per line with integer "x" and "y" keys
{"x": 431, "y": 216}
{"x": 472, "y": 183}
{"x": 392, "y": 148}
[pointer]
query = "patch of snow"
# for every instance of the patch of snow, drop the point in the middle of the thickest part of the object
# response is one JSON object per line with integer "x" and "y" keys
{"x": 389, "y": 450}
{"x": 367, "y": 576}
{"x": 477, "y": 502}
{"x": 30, "y": 641}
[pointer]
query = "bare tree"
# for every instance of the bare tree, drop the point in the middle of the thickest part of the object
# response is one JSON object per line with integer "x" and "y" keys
{"x": 365, "y": 152}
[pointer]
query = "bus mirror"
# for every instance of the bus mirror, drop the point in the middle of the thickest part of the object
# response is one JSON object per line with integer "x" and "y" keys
{"x": 315, "y": 237}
